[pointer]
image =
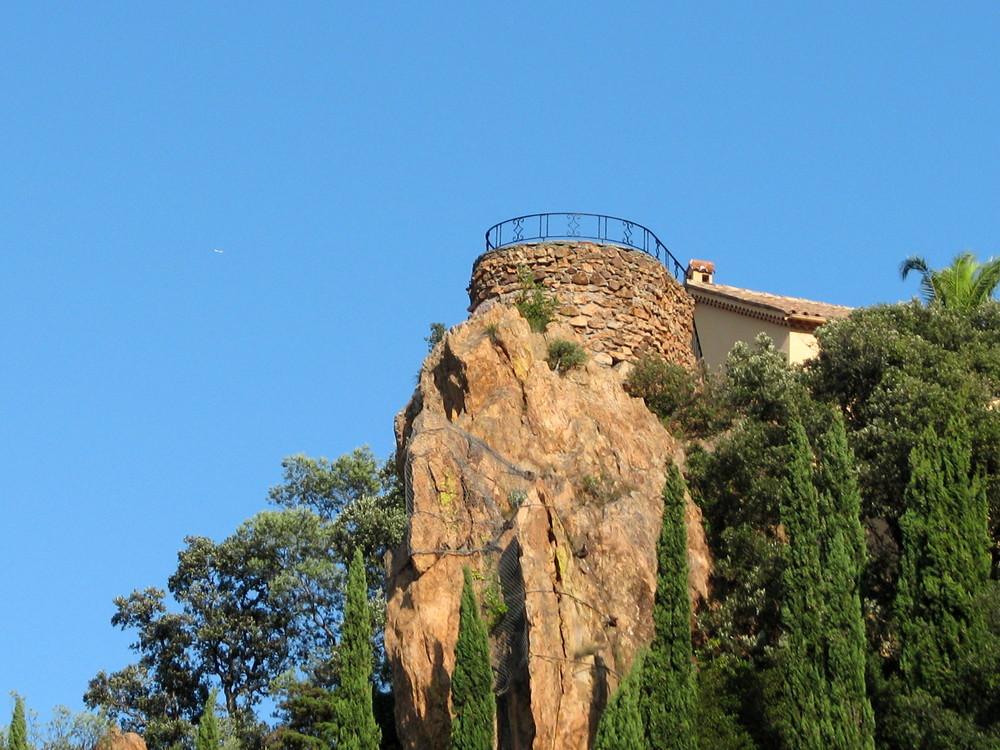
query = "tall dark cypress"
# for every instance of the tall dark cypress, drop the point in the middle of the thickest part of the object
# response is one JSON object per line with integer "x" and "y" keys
{"x": 842, "y": 553}
{"x": 357, "y": 729}
{"x": 668, "y": 678}
{"x": 944, "y": 563}
{"x": 472, "y": 701}
{"x": 803, "y": 710}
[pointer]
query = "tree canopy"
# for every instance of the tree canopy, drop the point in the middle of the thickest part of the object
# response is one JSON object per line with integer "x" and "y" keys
{"x": 262, "y": 610}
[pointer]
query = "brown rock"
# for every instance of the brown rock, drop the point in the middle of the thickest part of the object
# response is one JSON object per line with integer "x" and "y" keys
{"x": 116, "y": 739}
{"x": 494, "y": 448}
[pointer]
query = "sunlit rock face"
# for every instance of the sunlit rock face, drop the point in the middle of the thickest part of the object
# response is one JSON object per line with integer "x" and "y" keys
{"x": 547, "y": 486}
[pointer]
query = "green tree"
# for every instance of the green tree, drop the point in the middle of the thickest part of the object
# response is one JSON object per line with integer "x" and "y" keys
{"x": 310, "y": 717}
{"x": 357, "y": 729}
{"x": 161, "y": 695}
{"x": 472, "y": 700}
{"x": 964, "y": 285}
{"x": 842, "y": 556}
{"x": 804, "y": 706}
{"x": 437, "y": 333}
{"x": 268, "y": 597}
{"x": 207, "y": 736}
{"x": 668, "y": 678}
{"x": 69, "y": 730}
{"x": 945, "y": 563}
{"x": 893, "y": 370}
{"x": 242, "y": 633}
{"x": 17, "y": 734}
{"x": 823, "y": 701}
{"x": 621, "y": 726}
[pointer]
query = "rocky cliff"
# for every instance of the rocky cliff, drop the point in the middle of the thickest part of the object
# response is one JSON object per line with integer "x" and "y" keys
{"x": 548, "y": 487}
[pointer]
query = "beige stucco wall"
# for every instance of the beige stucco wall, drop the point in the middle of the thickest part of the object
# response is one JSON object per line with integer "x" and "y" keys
{"x": 719, "y": 330}
{"x": 801, "y": 346}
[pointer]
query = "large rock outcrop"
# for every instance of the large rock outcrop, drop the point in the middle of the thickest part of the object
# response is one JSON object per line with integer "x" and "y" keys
{"x": 548, "y": 486}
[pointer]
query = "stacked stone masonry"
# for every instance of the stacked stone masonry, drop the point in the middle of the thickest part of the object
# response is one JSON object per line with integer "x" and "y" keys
{"x": 624, "y": 303}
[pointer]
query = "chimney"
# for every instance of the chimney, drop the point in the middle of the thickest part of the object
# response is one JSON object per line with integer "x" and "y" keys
{"x": 700, "y": 271}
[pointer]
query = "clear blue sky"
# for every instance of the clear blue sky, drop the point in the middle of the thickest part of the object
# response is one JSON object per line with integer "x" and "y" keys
{"x": 347, "y": 159}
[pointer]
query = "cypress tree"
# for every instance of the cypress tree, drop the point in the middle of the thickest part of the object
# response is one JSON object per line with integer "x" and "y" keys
{"x": 17, "y": 736}
{"x": 207, "y": 737}
{"x": 357, "y": 729}
{"x": 668, "y": 678}
{"x": 803, "y": 706}
{"x": 842, "y": 550}
{"x": 944, "y": 563}
{"x": 621, "y": 726}
{"x": 823, "y": 701}
{"x": 472, "y": 700}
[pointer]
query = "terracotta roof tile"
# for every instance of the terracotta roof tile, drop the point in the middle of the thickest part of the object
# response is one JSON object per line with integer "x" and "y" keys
{"x": 775, "y": 302}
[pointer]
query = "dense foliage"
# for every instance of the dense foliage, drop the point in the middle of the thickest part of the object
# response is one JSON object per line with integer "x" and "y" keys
{"x": 260, "y": 614}
{"x": 852, "y": 517}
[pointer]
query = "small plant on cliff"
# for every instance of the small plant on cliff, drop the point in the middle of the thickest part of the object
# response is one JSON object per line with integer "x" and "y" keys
{"x": 494, "y": 607}
{"x": 534, "y": 302}
{"x": 603, "y": 489}
{"x": 437, "y": 333}
{"x": 565, "y": 355}
{"x": 472, "y": 700}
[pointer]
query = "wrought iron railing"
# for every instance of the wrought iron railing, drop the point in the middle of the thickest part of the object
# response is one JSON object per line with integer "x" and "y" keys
{"x": 575, "y": 226}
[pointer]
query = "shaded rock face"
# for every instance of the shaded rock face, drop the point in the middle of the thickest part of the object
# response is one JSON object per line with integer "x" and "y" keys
{"x": 548, "y": 487}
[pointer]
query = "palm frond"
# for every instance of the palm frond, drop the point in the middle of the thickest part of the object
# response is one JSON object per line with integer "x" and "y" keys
{"x": 928, "y": 286}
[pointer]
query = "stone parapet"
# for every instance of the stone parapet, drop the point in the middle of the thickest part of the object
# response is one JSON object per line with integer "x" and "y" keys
{"x": 622, "y": 302}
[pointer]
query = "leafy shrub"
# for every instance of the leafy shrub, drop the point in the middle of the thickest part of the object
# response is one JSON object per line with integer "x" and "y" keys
{"x": 692, "y": 402}
{"x": 516, "y": 498}
{"x": 534, "y": 302}
{"x": 565, "y": 355}
{"x": 437, "y": 333}
{"x": 494, "y": 606}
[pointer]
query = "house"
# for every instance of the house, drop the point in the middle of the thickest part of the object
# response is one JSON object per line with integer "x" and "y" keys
{"x": 724, "y": 315}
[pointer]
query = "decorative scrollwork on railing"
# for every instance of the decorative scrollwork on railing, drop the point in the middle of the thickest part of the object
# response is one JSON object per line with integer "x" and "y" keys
{"x": 607, "y": 229}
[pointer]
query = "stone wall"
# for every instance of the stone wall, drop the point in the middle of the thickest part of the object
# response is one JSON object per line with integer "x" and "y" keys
{"x": 624, "y": 303}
